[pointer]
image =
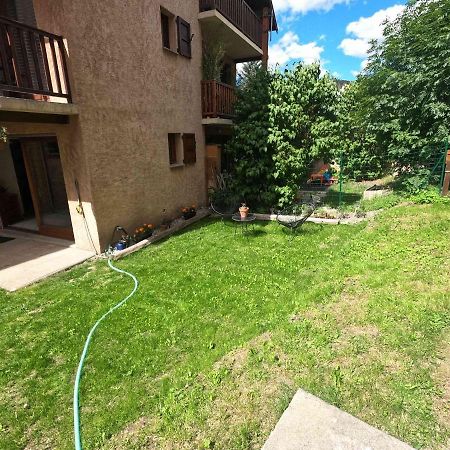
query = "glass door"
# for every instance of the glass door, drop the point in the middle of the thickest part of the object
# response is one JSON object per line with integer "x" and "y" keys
{"x": 46, "y": 180}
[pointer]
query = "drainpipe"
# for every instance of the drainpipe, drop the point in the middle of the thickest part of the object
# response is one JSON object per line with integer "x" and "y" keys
{"x": 266, "y": 19}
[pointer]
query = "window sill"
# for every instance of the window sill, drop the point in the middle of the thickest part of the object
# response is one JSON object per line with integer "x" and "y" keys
{"x": 176, "y": 165}
{"x": 169, "y": 50}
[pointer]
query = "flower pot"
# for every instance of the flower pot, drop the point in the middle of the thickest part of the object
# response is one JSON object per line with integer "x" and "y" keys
{"x": 120, "y": 246}
{"x": 243, "y": 211}
{"x": 189, "y": 215}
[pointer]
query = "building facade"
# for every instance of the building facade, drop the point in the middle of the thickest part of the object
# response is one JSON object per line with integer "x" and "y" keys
{"x": 108, "y": 116}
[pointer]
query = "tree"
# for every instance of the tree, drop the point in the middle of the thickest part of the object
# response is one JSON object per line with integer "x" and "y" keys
{"x": 284, "y": 121}
{"x": 355, "y": 145}
{"x": 302, "y": 114}
{"x": 405, "y": 91}
{"x": 249, "y": 154}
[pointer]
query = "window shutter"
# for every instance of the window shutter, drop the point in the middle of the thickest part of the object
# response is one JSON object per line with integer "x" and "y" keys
{"x": 189, "y": 147}
{"x": 184, "y": 37}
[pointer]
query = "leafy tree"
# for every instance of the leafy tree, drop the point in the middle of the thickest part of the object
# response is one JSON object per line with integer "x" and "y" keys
{"x": 405, "y": 91}
{"x": 302, "y": 113}
{"x": 249, "y": 154}
{"x": 284, "y": 121}
{"x": 355, "y": 145}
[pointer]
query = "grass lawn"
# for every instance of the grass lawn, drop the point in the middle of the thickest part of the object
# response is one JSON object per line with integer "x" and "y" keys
{"x": 223, "y": 330}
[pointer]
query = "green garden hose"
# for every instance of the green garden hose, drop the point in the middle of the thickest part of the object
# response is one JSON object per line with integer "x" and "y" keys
{"x": 76, "y": 405}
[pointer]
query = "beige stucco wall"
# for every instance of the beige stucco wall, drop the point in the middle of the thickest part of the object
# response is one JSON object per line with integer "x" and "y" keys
{"x": 130, "y": 93}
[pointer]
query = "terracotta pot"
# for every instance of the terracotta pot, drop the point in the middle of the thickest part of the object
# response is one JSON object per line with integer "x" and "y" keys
{"x": 243, "y": 210}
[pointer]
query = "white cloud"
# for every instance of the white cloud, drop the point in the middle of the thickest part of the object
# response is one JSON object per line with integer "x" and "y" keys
{"x": 355, "y": 47}
{"x": 289, "y": 48}
{"x": 305, "y": 6}
{"x": 366, "y": 29}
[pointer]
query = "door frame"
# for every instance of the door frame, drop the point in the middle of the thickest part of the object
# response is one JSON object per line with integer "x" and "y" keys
{"x": 46, "y": 230}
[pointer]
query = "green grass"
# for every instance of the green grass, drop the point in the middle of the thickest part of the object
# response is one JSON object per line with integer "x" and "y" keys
{"x": 224, "y": 329}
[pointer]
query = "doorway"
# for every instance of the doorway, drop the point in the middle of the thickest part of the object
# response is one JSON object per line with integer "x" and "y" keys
{"x": 42, "y": 192}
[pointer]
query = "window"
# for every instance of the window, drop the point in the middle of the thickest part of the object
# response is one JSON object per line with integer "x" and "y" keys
{"x": 165, "y": 30}
{"x": 168, "y": 31}
{"x": 189, "y": 148}
{"x": 184, "y": 37}
{"x": 173, "y": 139}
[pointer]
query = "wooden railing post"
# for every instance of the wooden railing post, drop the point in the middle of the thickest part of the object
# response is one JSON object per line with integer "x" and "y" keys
{"x": 446, "y": 184}
{"x": 217, "y": 99}
{"x": 214, "y": 97}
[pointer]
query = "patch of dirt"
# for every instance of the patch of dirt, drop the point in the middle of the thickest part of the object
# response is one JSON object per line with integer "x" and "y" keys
{"x": 139, "y": 434}
{"x": 245, "y": 404}
{"x": 236, "y": 359}
{"x": 354, "y": 331}
{"x": 247, "y": 398}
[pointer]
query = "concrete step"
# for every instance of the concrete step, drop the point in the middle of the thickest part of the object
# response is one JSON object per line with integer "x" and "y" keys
{"x": 311, "y": 424}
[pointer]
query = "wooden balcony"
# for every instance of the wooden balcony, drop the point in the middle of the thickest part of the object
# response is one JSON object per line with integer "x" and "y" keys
{"x": 218, "y": 100}
{"x": 32, "y": 63}
{"x": 239, "y": 14}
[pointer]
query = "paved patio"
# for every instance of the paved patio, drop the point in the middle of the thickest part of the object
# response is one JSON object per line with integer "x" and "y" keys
{"x": 29, "y": 258}
{"x": 311, "y": 424}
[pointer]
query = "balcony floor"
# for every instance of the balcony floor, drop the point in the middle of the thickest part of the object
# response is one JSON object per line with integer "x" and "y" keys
{"x": 21, "y": 105}
{"x": 238, "y": 46}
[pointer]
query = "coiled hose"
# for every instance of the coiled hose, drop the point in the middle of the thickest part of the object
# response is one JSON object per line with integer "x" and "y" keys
{"x": 76, "y": 393}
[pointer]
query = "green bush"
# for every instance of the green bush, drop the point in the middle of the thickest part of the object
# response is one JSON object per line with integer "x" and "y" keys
{"x": 284, "y": 121}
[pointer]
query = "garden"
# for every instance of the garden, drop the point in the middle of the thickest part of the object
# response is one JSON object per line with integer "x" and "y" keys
{"x": 225, "y": 327}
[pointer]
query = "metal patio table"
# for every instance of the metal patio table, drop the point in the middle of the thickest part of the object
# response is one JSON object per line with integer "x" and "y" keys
{"x": 244, "y": 222}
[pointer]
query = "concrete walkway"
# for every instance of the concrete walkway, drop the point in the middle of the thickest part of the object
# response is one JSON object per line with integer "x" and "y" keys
{"x": 311, "y": 424}
{"x": 30, "y": 258}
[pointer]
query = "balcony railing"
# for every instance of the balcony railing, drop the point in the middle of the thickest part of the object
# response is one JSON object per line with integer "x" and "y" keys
{"x": 218, "y": 99}
{"x": 32, "y": 62}
{"x": 239, "y": 14}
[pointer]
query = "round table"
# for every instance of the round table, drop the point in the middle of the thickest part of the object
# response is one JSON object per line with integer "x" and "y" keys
{"x": 243, "y": 221}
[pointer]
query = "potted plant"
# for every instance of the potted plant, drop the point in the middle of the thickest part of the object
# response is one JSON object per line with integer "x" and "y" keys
{"x": 189, "y": 213}
{"x": 243, "y": 211}
{"x": 143, "y": 232}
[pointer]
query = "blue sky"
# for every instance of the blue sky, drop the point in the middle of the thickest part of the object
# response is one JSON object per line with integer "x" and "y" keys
{"x": 336, "y": 32}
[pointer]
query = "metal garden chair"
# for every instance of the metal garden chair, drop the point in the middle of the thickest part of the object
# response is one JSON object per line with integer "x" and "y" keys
{"x": 294, "y": 216}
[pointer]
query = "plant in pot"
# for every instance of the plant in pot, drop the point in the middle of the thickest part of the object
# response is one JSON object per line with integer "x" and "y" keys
{"x": 212, "y": 62}
{"x": 243, "y": 211}
{"x": 143, "y": 232}
{"x": 189, "y": 213}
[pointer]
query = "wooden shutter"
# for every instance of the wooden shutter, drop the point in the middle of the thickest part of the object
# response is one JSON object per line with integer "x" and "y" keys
{"x": 184, "y": 37}
{"x": 189, "y": 148}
